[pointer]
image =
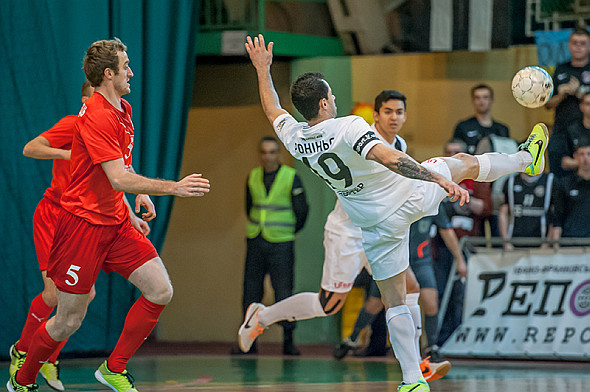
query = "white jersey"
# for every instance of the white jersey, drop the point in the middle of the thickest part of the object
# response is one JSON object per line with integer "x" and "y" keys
{"x": 338, "y": 220}
{"x": 335, "y": 150}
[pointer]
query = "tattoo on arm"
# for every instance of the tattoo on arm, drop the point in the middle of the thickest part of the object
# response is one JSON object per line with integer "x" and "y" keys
{"x": 408, "y": 168}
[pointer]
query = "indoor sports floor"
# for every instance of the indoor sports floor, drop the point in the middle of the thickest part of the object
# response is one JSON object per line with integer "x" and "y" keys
{"x": 317, "y": 371}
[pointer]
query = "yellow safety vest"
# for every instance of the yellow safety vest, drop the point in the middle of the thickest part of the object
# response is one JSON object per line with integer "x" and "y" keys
{"x": 272, "y": 213}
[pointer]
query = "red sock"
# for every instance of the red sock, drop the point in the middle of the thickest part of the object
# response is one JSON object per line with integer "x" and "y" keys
{"x": 53, "y": 357}
{"x": 141, "y": 319}
{"x": 41, "y": 348}
{"x": 38, "y": 313}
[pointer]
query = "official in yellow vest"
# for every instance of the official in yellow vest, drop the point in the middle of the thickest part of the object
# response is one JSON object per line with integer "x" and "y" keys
{"x": 276, "y": 208}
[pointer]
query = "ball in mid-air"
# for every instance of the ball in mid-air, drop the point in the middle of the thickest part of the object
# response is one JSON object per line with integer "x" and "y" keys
{"x": 364, "y": 110}
{"x": 532, "y": 87}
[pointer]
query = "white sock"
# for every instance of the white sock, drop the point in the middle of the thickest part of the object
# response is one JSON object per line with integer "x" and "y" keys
{"x": 300, "y": 306}
{"x": 494, "y": 165}
{"x": 412, "y": 304}
{"x": 401, "y": 332}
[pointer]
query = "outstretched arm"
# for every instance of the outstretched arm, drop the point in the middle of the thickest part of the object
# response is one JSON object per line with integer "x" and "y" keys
{"x": 40, "y": 148}
{"x": 125, "y": 181}
{"x": 402, "y": 164}
{"x": 261, "y": 58}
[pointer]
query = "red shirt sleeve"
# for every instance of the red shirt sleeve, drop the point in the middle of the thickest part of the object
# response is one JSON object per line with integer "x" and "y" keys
{"x": 60, "y": 135}
{"x": 101, "y": 137}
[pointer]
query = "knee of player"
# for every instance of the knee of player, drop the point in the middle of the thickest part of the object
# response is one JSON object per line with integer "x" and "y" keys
{"x": 430, "y": 308}
{"x": 162, "y": 295}
{"x": 71, "y": 323}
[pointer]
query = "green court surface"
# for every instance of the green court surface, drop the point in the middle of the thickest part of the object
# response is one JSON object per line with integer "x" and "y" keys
{"x": 276, "y": 373}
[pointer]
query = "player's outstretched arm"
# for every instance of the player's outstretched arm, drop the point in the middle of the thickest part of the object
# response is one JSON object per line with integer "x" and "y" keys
{"x": 40, "y": 148}
{"x": 125, "y": 181}
{"x": 261, "y": 57}
{"x": 402, "y": 164}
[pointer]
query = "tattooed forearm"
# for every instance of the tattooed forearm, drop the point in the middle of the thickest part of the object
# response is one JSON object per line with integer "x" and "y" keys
{"x": 408, "y": 168}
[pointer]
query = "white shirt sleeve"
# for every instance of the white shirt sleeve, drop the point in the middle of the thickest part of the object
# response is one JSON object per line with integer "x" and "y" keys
{"x": 359, "y": 136}
{"x": 285, "y": 127}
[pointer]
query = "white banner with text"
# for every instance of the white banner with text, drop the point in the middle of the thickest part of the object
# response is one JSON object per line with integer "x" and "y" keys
{"x": 526, "y": 304}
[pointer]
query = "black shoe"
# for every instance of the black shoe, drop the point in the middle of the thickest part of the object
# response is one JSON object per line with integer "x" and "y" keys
{"x": 435, "y": 355}
{"x": 290, "y": 349}
{"x": 344, "y": 347}
{"x": 236, "y": 350}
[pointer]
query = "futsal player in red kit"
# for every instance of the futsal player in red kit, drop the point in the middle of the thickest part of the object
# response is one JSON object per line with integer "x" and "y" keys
{"x": 93, "y": 230}
{"x": 55, "y": 144}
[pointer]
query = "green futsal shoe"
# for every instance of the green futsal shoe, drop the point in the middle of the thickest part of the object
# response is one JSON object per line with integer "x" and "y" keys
{"x": 536, "y": 145}
{"x": 120, "y": 382}
{"x": 50, "y": 372}
{"x": 13, "y": 386}
{"x": 420, "y": 386}
{"x": 17, "y": 358}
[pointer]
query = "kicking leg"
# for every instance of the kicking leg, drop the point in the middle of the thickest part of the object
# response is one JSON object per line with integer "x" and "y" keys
{"x": 491, "y": 166}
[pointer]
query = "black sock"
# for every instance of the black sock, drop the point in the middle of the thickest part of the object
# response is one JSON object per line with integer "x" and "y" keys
{"x": 430, "y": 327}
{"x": 362, "y": 321}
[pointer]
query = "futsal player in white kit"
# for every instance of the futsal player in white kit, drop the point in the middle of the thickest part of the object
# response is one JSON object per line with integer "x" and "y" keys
{"x": 382, "y": 190}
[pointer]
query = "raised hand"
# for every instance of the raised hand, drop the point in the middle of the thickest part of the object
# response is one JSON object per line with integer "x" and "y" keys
{"x": 191, "y": 186}
{"x": 260, "y": 55}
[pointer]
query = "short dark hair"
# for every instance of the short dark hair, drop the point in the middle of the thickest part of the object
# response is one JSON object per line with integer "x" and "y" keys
{"x": 101, "y": 55}
{"x": 268, "y": 139}
{"x": 580, "y": 31}
{"x": 482, "y": 86}
{"x": 306, "y": 93}
{"x": 587, "y": 93}
{"x": 388, "y": 95}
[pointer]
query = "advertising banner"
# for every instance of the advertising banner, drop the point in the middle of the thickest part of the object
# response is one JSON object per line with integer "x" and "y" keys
{"x": 527, "y": 305}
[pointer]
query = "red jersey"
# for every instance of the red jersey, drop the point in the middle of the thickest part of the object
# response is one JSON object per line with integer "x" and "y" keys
{"x": 102, "y": 133}
{"x": 60, "y": 136}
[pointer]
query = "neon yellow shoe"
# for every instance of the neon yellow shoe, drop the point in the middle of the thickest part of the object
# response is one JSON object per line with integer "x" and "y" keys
{"x": 536, "y": 145}
{"x": 17, "y": 358}
{"x": 50, "y": 372}
{"x": 13, "y": 386}
{"x": 120, "y": 382}
{"x": 420, "y": 386}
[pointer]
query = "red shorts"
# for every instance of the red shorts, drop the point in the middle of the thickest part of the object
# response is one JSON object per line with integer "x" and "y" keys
{"x": 44, "y": 222}
{"x": 80, "y": 249}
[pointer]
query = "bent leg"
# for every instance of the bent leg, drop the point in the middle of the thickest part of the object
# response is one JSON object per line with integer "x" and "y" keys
{"x": 152, "y": 280}
{"x": 486, "y": 167}
{"x": 71, "y": 310}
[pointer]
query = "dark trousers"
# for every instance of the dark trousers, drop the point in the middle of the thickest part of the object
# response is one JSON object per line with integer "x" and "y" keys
{"x": 454, "y": 314}
{"x": 276, "y": 259}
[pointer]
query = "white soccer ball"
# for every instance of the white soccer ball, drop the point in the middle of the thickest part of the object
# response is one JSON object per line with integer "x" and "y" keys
{"x": 532, "y": 87}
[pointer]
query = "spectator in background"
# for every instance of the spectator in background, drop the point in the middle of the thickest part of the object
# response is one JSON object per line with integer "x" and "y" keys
{"x": 276, "y": 208}
{"x": 574, "y": 132}
{"x": 526, "y": 206}
{"x": 465, "y": 220}
{"x": 571, "y": 198}
{"x": 571, "y": 81}
{"x": 474, "y": 129}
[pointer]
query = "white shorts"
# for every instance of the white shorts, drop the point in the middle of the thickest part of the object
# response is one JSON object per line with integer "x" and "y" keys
{"x": 387, "y": 243}
{"x": 344, "y": 259}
